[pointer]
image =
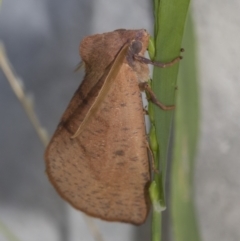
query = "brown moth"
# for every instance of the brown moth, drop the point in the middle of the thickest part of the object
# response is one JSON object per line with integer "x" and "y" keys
{"x": 97, "y": 160}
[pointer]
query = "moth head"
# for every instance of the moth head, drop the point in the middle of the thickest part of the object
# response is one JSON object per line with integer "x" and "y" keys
{"x": 141, "y": 69}
{"x": 135, "y": 47}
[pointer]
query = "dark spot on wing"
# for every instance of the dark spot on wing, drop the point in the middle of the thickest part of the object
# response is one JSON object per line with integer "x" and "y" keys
{"x": 123, "y": 104}
{"x": 82, "y": 97}
{"x": 119, "y": 153}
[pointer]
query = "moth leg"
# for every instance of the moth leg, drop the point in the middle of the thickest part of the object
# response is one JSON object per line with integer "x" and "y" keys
{"x": 152, "y": 158}
{"x": 152, "y": 97}
{"x": 155, "y": 63}
{"x": 145, "y": 111}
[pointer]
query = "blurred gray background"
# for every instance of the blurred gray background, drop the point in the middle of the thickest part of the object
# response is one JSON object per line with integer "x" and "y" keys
{"x": 42, "y": 39}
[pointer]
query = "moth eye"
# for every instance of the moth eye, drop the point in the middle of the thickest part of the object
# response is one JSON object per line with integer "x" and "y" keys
{"x": 136, "y": 47}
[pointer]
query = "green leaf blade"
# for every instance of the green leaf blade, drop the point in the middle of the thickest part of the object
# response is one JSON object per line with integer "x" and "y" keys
{"x": 170, "y": 16}
{"x": 186, "y": 135}
{"x": 169, "y": 26}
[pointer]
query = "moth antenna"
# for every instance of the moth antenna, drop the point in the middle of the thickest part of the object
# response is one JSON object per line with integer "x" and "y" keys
{"x": 79, "y": 66}
{"x": 112, "y": 74}
{"x": 77, "y": 132}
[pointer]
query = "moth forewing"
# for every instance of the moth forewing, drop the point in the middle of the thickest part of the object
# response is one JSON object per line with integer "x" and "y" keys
{"x": 110, "y": 78}
{"x": 104, "y": 170}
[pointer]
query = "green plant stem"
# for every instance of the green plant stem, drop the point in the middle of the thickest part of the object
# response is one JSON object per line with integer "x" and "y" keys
{"x": 169, "y": 23}
{"x": 156, "y": 226}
